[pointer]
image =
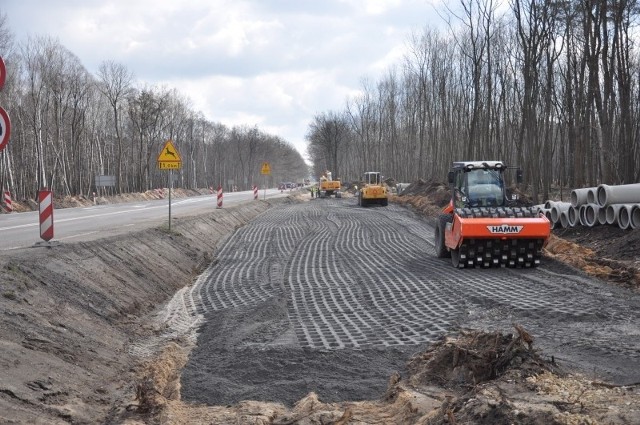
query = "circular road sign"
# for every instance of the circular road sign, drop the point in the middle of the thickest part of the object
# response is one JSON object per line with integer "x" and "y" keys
{"x": 3, "y": 73}
{"x": 5, "y": 128}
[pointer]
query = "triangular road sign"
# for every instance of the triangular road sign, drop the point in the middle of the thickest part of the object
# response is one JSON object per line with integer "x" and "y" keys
{"x": 266, "y": 168}
{"x": 169, "y": 153}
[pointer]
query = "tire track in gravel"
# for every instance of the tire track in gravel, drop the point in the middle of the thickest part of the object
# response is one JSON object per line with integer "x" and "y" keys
{"x": 309, "y": 295}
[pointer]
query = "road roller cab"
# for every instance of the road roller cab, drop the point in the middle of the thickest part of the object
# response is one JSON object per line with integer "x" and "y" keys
{"x": 479, "y": 227}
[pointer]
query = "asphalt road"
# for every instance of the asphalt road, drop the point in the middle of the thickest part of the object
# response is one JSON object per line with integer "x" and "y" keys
{"x": 329, "y": 297}
{"x": 21, "y": 230}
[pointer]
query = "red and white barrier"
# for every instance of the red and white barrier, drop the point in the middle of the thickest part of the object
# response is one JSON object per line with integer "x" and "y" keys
{"x": 219, "y": 196}
{"x": 45, "y": 201}
{"x": 255, "y": 192}
{"x": 7, "y": 202}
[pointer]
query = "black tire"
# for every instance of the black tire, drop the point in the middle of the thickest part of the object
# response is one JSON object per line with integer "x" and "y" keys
{"x": 441, "y": 248}
{"x": 455, "y": 258}
{"x": 384, "y": 202}
{"x": 362, "y": 201}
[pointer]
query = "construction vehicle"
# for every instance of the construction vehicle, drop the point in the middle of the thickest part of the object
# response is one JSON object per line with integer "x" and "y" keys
{"x": 328, "y": 186}
{"x": 373, "y": 191}
{"x": 480, "y": 227}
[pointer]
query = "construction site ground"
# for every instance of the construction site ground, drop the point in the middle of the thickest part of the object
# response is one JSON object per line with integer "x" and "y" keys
{"x": 82, "y": 340}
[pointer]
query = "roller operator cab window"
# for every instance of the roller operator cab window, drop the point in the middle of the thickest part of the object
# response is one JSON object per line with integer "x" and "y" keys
{"x": 460, "y": 191}
{"x": 485, "y": 188}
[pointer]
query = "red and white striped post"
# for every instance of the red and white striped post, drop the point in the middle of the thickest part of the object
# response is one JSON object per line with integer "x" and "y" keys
{"x": 45, "y": 201}
{"x": 255, "y": 192}
{"x": 219, "y": 196}
{"x": 7, "y": 201}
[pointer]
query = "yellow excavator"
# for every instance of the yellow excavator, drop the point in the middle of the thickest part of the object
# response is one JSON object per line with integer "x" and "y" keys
{"x": 374, "y": 191}
{"x": 328, "y": 186}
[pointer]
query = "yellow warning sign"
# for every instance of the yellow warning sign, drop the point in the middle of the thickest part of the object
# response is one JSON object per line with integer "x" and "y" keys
{"x": 266, "y": 168}
{"x": 169, "y": 157}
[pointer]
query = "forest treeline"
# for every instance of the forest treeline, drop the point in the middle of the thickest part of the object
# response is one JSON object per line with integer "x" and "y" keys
{"x": 550, "y": 86}
{"x": 68, "y": 126}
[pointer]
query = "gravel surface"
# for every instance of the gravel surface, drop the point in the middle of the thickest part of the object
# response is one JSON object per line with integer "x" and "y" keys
{"x": 330, "y": 297}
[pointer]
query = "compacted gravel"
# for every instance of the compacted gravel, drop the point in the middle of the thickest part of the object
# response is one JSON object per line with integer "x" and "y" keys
{"x": 330, "y": 297}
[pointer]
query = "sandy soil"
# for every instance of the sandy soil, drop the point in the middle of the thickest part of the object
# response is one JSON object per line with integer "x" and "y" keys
{"x": 70, "y": 315}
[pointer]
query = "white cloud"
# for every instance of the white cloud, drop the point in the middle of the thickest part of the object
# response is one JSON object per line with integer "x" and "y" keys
{"x": 274, "y": 64}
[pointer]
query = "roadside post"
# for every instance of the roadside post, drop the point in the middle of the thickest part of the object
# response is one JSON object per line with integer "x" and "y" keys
{"x": 219, "y": 196}
{"x": 45, "y": 207}
{"x": 169, "y": 159}
{"x": 265, "y": 171}
{"x": 255, "y": 192}
{"x": 7, "y": 201}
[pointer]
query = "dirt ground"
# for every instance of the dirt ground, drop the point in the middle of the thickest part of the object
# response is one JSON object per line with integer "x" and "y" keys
{"x": 70, "y": 314}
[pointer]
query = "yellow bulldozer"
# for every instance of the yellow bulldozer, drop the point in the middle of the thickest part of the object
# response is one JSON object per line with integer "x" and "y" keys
{"x": 374, "y": 191}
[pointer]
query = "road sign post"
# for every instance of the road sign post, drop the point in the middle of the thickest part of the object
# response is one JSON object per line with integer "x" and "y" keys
{"x": 170, "y": 187}
{"x": 169, "y": 159}
{"x": 265, "y": 171}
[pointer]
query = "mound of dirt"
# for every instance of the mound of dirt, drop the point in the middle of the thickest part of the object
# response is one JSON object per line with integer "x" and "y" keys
{"x": 475, "y": 357}
{"x": 472, "y": 377}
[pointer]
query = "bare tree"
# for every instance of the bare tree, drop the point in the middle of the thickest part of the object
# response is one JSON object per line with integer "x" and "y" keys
{"x": 115, "y": 84}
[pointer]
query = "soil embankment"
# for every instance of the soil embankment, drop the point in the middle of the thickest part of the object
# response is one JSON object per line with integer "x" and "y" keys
{"x": 69, "y": 312}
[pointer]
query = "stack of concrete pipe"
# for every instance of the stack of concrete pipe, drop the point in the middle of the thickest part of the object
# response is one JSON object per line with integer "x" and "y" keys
{"x": 599, "y": 205}
{"x": 621, "y": 204}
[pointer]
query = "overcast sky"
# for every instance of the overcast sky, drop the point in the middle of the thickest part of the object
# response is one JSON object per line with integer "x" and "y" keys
{"x": 270, "y": 63}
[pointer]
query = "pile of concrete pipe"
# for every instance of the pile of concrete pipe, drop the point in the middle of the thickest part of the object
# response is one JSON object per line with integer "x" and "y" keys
{"x": 600, "y": 205}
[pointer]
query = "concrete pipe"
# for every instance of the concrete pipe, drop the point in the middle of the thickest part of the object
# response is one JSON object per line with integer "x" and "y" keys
{"x": 592, "y": 195}
{"x": 591, "y": 214}
{"x": 572, "y": 216}
{"x": 547, "y": 213}
{"x": 602, "y": 216}
{"x": 564, "y": 219}
{"x": 634, "y": 221}
{"x": 557, "y": 209}
{"x": 612, "y": 212}
{"x": 621, "y": 194}
{"x": 582, "y": 211}
{"x": 549, "y": 204}
{"x": 579, "y": 196}
{"x": 624, "y": 217}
